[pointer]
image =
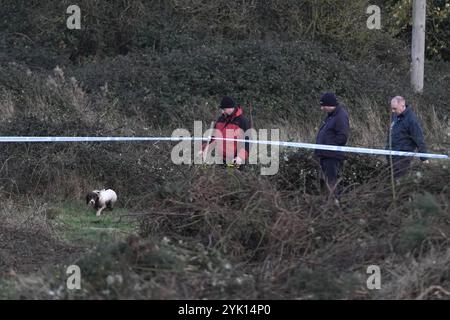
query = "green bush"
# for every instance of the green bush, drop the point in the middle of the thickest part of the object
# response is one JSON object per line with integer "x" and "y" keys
{"x": 412, "y": 236}
{"x": 427, "y": 204}
{"x": 112, "y": 27}
{"x": 437, "y": 26}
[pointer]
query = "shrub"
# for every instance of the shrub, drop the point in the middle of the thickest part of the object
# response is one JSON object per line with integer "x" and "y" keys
{"x": 437, "y": 25}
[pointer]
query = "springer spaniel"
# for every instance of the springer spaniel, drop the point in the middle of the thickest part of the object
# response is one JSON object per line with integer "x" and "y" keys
{"x": 101, "y": 199}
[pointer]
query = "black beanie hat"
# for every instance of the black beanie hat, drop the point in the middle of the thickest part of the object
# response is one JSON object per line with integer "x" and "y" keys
{"x": 227, "y": 102}
{"x": 328, "y": 99}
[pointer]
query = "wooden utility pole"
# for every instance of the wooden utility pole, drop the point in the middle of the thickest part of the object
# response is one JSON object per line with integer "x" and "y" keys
{"x": 418, "y": 44}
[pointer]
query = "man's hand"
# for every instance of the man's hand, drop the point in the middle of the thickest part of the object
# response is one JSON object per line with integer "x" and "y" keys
{"x": 426, "y": 162}
{"x": 238, "y": 161}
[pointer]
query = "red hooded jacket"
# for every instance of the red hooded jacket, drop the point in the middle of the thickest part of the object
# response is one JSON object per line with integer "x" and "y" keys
{"x": 232, "y": 126}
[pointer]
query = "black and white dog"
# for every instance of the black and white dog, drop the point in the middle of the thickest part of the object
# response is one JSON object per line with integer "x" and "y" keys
{"x": 101, "y": 199}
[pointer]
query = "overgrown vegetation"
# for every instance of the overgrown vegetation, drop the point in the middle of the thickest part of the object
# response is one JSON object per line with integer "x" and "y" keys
{"x": 437, "y": 27}
{"x": 231, "y": 234}
{"x": 141, "y": 68}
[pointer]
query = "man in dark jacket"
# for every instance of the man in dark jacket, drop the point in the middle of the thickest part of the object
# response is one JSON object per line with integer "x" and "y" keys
{"x": 232, "y": 124}
{"x": 405, "y": 134}
{"x": 334, "y": 131}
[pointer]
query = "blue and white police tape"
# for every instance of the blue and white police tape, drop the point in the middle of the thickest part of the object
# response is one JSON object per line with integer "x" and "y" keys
{"x": 18, "y": 139}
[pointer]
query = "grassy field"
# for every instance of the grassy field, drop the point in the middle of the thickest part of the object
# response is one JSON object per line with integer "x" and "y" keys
{"x": 76, "y": 223}
{"x": 56, "y": 237}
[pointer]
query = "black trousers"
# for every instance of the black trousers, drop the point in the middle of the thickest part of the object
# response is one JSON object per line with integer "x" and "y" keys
{"x": 401, "y": 165}
{"x": 331, "y": 169}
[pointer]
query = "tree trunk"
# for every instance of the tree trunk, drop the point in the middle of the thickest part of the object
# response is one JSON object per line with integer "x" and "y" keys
{"x": 418, "y": 45}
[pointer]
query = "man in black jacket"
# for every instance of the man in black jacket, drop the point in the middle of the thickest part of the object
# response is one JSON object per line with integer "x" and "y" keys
{"x": 334, "y": 131}
{"x": 405, "y": 134}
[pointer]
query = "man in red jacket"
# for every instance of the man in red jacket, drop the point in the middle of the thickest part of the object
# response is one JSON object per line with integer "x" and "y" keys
{"x": 232, "y": 124}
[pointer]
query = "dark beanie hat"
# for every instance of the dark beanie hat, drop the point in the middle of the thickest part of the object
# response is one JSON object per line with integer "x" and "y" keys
{"x": 328, "y": 99}
{"x": 227, "y": 102}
